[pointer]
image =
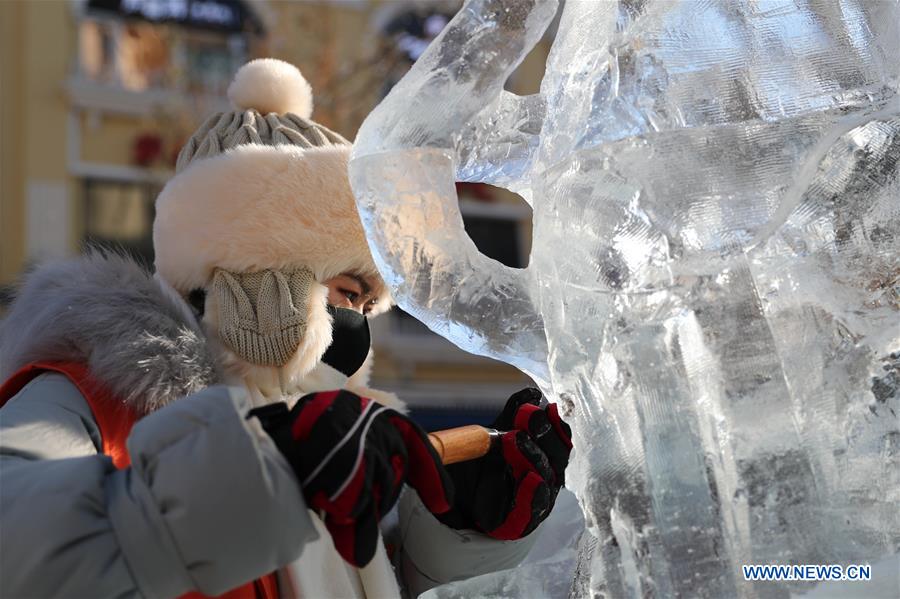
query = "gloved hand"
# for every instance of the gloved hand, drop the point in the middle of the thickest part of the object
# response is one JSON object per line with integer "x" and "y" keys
{"x": 512, "y": 489}
{"x": 352, "y": 456}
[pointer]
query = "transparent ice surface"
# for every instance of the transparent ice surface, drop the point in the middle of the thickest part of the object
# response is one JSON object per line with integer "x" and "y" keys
{"x": 713, "y": 295}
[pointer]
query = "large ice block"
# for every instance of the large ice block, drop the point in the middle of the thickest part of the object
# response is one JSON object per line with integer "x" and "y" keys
{"x": 713, "y": 294}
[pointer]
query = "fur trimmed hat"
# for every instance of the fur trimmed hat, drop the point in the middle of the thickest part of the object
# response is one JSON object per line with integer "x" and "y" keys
{"x": 261, "y": 187}
{"x": 264, "y": 188}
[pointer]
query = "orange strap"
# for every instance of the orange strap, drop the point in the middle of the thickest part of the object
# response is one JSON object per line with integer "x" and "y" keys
{"x": 115, "y": 419}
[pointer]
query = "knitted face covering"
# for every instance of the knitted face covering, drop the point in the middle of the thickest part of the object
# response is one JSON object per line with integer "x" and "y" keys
{"x": 262, "y": 315}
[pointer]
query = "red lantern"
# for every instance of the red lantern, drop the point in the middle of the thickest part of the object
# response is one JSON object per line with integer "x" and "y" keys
{"x": 147, "y": 149}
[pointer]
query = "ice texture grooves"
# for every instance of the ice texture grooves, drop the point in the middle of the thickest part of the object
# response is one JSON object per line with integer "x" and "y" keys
{"x": 713, "y": 294}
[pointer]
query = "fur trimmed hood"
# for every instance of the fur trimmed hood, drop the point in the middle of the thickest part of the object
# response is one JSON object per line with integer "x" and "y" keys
{"x": 105, "y": 311}
{"x": 133, "y": 332}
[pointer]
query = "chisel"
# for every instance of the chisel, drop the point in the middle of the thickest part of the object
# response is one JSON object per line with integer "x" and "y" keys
{"x": 463, "y": 443}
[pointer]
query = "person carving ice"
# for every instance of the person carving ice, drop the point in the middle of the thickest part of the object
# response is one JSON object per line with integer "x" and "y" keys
{"x": 208, "y": 430}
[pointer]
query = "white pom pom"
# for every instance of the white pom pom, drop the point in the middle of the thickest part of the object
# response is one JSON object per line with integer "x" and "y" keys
{"x": 270, "y": 85}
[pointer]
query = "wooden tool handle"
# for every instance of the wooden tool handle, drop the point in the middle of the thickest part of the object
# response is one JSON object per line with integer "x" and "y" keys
{"x": 461, "y": 444}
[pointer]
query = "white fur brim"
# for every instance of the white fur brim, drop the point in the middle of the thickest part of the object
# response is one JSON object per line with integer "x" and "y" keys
{"x": 261, "y": 207}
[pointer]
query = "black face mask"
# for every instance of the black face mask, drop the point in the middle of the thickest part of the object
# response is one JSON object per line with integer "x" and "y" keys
{"x": 350, "y": 340}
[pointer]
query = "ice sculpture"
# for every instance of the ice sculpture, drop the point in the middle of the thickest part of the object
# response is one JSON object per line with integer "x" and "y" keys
{"x": 714, "y": 285}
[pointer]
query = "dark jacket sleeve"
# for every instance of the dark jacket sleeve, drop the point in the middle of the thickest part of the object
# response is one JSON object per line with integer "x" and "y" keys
{"x": 208, "y": 503}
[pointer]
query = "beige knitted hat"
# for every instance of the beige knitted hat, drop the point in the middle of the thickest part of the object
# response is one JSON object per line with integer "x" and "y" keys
{"x": 273, "y": 107}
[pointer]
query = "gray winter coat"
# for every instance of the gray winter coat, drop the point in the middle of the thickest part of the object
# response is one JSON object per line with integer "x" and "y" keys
{"x": 208, "y": 502}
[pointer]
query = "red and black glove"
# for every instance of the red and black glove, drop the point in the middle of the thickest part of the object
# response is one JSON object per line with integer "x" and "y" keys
{"x": 512, "y": 489}
{"x": 352, "y": 456}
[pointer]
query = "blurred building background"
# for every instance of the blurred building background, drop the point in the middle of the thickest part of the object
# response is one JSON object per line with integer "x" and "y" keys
{"x": 97, "y": 97}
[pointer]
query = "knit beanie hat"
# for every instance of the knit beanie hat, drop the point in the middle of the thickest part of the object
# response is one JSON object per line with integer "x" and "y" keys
{"x": 273, "y": 107}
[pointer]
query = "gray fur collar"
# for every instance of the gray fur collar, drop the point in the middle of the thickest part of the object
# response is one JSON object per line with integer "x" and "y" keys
{"x": 107, "y": 312}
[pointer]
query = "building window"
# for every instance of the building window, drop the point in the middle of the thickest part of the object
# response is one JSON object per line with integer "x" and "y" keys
{"x": 143, "y": 57}
{"x": 211, "y": 61}
{"x": 96, "y": 51}
{"x": 119, "y": 215}
{"x": 497, "y": 238}
{"x": 140, "y": 55}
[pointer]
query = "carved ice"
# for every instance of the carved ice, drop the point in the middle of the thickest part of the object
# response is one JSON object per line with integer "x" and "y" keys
{"x": 714, "y": 286}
